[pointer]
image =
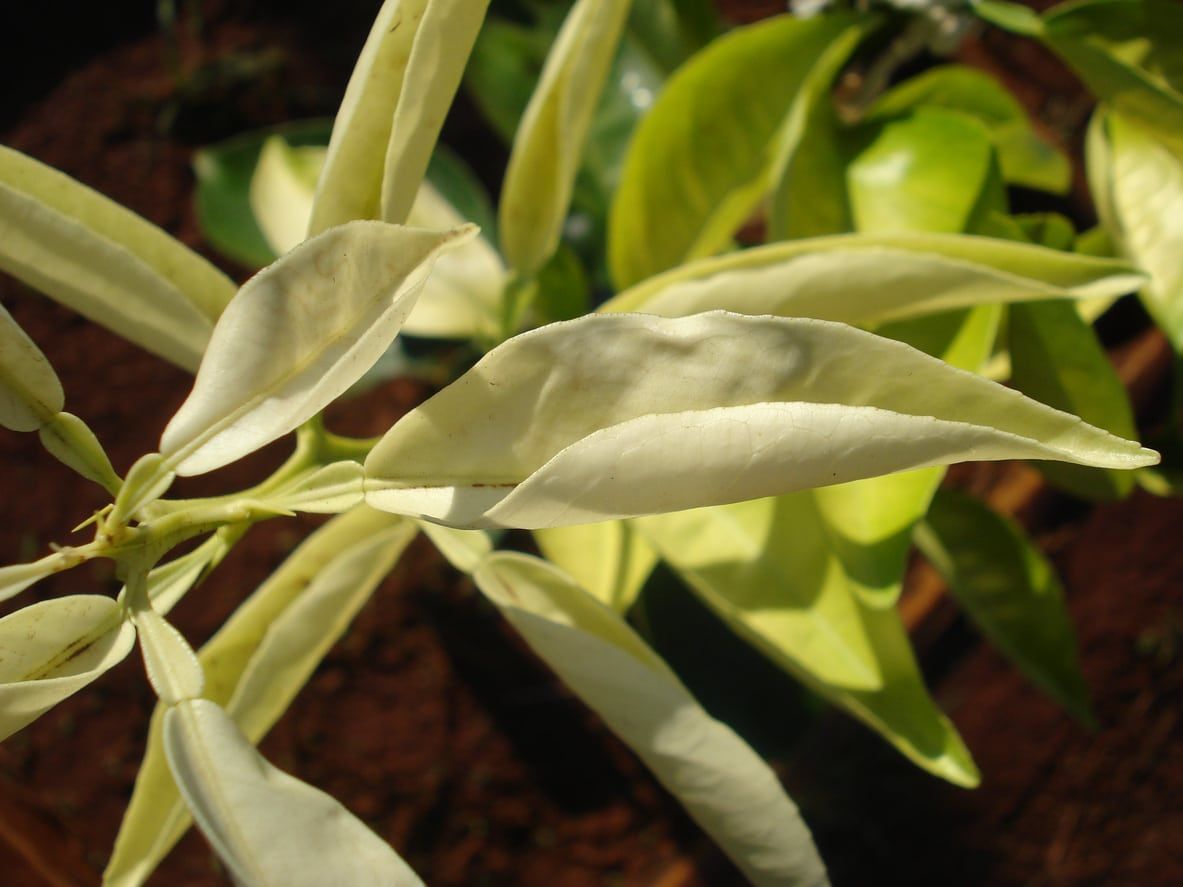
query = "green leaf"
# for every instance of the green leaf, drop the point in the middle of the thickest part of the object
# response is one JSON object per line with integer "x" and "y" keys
{"x": 1056, "y": 359}
{"x": 55, "y": 648}
{"x": 871, "y": 279}
{"x": 105, "y": 262}
{"x": 266, "y": 826}
{"x": 769, "y": 569}
{"x": 1010, "y": 16}
{"x": 1144, "y": 186}
{"x": 1010, "y": 590}
{"x": 924, "y": 171}
{"x": 612, "y": 416}
{"x": 550, "y": 139}
{"x": 1128, "y": 52}
{"x": 30, "y": 393}
{"x": 722, "y": 783}
{"x": 1025, "y": 159}
{"x": 703, "y": 157}
{"x": 224, "y": 173}
{"x": 330, "y": 308}
{"x": 609, "y": 559}
{"x": 397, "y": 98}
{"x": 258, "y": 661}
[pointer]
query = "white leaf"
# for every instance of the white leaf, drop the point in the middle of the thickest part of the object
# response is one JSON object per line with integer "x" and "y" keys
{"x": 330, "y": 489}
{"x": 871, "y": 279}
{"x": 55, "y": 648}
{"x": 105, "y": 262}
{"x": 394, "y": 106}
{"x": 172, "y": 666}
{"x": 463, "y": 549}
{"x": 267, "y": 826}
{"x": 621, "y": 415}
{"x": 550, "y": 138}
{"x": 30, "y": 393}
{"x": 722, "y": 783}
{"x": 282, "y": 188}
{"x": 297, "y": 335}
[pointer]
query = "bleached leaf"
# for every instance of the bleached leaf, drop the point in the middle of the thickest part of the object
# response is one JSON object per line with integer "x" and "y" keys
{"x": 614, "y": 416}
{"x": 549, "y": 142}
{"x": 463, "y": 549}
{"x": 55, "y": 648}
{"x": 394, "y": 106}
{"x": 30, "y": 393}
{"x": 871, "y": 279}
{"x": 330, "y": 489}
{"x": 297, "y": 335}
{"x": 609, "y": 559}
{"x": 105, "y": 262}
{"x": 259, "y": 660}
{"x": 282, "y": 189}
{"x": 268, "y": 827}
{"x": 722, "y": 783}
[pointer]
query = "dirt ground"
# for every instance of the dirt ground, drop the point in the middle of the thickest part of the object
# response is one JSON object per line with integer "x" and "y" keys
{"x": 429, "y": 720}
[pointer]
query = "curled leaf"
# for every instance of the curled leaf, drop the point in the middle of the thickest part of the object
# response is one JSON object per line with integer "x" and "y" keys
{"x": 614, "y": 416}
{"x": 105, "y": 262}
{"x": 297, "y": 335}
{"x": 55, "y": 648}
{"x": 722, "y": 783}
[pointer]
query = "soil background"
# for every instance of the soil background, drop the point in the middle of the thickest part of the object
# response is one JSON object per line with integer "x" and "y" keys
{"x": 430, "y": 720}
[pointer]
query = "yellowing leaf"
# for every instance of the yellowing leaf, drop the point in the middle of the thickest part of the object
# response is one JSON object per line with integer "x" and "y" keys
{"x": 55, "y": 648}
{"x": 609, "y": 559}
{"x": 722, "y": 783}
{"x": 613, "y": 416}
{"x": 267, "y": 826}
{"x": 297, "y": 335}
{"x": 259, "y": 660}
{"x": 549, "y": 142}
{"x": 105, "y": 262}
{"x": 282, "y": 189}
{"x": 30, "y": 393}
{"x": 870, "y": 279}
{"x": 394, "y": 106}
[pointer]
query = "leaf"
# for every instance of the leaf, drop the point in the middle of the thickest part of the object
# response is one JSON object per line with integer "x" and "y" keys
{"x": 105, "y": 262}
{"x": 1009, "y": 590}
{"x": 1145, "y": 188}
{"x": 53, "y": 649}
{"x": 1011, "y": 16}
{"x": 769, "y": 569}
{"x": 871, "y": 279}
{"x": 330, "y": 308}
{"x": 1024, "y": 157}
{"x": 613, "y": 416}
{"x": 281, "y": 191}
{"x": 463, "y": 549}
{"x": 329, "y": 489}
{"x": 168, "y": 583}
{"x": 1057, "y": 359}
{"x": 30, "y": 393}
{"x": 462, "y": 297}
{"x": 268, "y": 827}
{"x": 703, "y": 157}
{"x": 722, "y": 783}
{"x": 172, "y": 666}
{"x": 394, "y": 106}
{"x": 550, "y": 138}
{"x": 17, "y": 577}
{"x": 69, "y": 440}
{"x": 1127, "y": 52}
{"x": 921, "y": 172}
{"x": 610, "y": 559}
{"x": 259, "y": 660}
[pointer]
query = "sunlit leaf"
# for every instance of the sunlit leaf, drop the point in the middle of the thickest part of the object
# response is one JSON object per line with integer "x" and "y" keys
{"x": 609, "y": 559}
{"x": 17, "y": 577}
{"x": 330, "y": 489}
{"x": 612, "y": 416}
{"x": 463, "y": 549}
{"x": 171, "y": 664}
{"x": 1025, "y": 158}
{"x": 105, "y": 262}
{"x": 259, "y": 660}
{"x": 722, "y": 783}
{"x": 30, "y": 393}
{"x": 69, "y": 440}
{"x": 1057, "y": 359}
{"x": 282, "y": 189}
{"x": 1009, "y": 589}
{"x": 55, "y": 648}
{"x": 702, "y": 159}
{"x": 550, "y": 138}
{"x": 267, "y": 826}
{"x": 330, "y": 308}
{"x": 770, "y": 570}
{"x": 388, "y": 122}
{"x": 871, "y": 279}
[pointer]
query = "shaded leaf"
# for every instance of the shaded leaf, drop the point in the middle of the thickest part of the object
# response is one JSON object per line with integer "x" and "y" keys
{"x": 609, "y": 559}
{"x": 30, "y": 393}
